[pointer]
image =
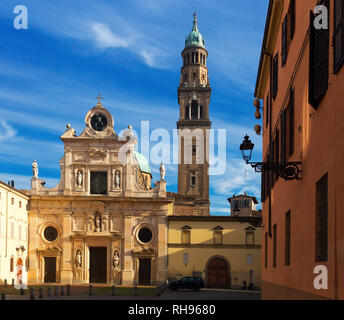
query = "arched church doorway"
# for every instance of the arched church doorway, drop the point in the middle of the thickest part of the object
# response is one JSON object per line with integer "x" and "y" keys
{"x": 218, "y": 273}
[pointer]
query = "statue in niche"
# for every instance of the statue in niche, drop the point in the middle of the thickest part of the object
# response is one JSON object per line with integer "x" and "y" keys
{"x": 79, "y": 179}
{"x": 162, "y": 171}
{"x": 35, "y": 169}
{"x": 115, "y": 260}
{"x": 97, "y": 223}
{"x": 117, "y": 179}
{"x": 78, "y": 259}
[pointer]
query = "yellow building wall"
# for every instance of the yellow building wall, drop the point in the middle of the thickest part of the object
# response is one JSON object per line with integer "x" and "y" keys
{"x": 202, "y": 249}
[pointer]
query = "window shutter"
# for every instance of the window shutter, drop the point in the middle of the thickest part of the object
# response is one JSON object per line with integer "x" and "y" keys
{"x": 292, "y": 18}
{"x": 319, "y": 63}
{"x": 338, "y": 35}
{"x": 275, "y": 77}
{"x": 283, "y": 136}
{"x": 284, "y": 40}
{"x": 291, "y": 123}
{"x": 263, "y": 186}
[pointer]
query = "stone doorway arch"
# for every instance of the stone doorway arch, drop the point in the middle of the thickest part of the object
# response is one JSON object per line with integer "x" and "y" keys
{"x": 218, "y": 273}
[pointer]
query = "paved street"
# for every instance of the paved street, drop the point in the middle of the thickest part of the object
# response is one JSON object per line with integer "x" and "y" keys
{"x": 204, "y": 294}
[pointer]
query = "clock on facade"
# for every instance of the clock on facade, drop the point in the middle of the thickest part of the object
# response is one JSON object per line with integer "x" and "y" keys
{"x": 98, "y": 122}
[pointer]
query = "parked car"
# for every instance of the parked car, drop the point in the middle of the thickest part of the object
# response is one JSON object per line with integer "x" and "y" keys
{"x": 194, "y": 283}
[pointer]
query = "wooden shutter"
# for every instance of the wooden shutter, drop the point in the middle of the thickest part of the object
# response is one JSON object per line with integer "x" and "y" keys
{"x": 275, "y": 77}
{"x": 291, "y": 14}
{"x": 262, "y": 185}
{"x": 338, "y": 35}
{"x": 284, "y": 40}
{"x": 283, "y": 136}
{"x": 319, "y": 62}
{"x": 287, "y": 239}
{"x": 291, "y": 122}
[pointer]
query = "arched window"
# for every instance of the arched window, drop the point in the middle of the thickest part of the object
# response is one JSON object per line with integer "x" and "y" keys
{"x": 194, "y": 109}
{"x": 193, "y": 57}
{"x": 196, "y": 57}
{"x": 12, "y": 264}
{"x": 188, "y": 58}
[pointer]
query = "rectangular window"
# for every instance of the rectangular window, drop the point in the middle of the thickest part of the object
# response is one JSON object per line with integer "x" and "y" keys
{"x": 318, "y": 61}
{"x": 266, "y": 249}
{"x": 321, "y": 246}
{"x": 186, "y": 237}
{"x": 98, "y": 182}
{"x": 275, "y": 246}
{"x": 249, "y": 238}
{"x": 217, "y": 237}
{"x": 12, "y": 201}
{"x": 287, "y": 239}
{"x": 338, "y": 35}
{"x": 275, "y": 77}
{"x": 20, "y": 204}
{"x": 284, "y": 40}
{"x": 249, "y": 259}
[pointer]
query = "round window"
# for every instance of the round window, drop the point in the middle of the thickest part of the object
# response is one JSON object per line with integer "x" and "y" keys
{"x": 145, "y": 235}
{"x": 50, "y": 233}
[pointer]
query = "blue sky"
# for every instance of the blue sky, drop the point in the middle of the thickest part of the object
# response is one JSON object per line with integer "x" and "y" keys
{"x": 129, "y": 51}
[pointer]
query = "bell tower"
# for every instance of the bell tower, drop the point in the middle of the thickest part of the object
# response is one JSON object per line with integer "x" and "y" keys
{"x": 193, "y": 126}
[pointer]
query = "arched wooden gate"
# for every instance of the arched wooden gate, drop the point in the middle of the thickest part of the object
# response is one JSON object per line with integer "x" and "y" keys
{"x": 218, "y": 273}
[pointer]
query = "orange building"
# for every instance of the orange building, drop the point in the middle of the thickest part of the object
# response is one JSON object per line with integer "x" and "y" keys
{"x": 301, "y": 82}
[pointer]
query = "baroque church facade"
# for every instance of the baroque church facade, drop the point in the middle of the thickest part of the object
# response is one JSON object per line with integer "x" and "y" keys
{"x": 104, "y": 222}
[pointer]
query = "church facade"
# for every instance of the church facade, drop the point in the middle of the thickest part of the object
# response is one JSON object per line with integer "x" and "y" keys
{"x": 103, "y": 223}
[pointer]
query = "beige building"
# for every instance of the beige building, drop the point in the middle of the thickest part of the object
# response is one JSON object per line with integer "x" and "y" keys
{"x": 13, "y": 232}
{"x": 103, "y": 223}
{"x": 224, "y": 251}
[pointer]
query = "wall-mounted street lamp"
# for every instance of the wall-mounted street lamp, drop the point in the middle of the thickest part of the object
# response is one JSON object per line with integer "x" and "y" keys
{"x": 285, "y": 170}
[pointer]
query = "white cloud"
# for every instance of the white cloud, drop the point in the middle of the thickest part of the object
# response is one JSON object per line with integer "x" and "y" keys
{"x": 6, "y": 131}
{"x": 105, "y": 38}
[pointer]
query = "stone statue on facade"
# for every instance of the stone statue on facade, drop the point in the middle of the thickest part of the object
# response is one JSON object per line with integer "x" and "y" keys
{"x": 97, "y": 223}
{"x": 78, "y": 259}
{"x": 115, "y": 260}
{"x": 79, "y": 179}
{"x": 117, "y": 180}
{"x": 35, "y": 169}
{"x": 162, "y": 171}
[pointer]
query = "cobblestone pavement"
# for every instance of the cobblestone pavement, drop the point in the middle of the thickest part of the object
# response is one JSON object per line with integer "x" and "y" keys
{"x": 204, "y": 294}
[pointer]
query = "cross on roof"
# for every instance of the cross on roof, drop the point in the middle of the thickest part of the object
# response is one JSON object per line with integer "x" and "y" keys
{"x": 99, "y": 97}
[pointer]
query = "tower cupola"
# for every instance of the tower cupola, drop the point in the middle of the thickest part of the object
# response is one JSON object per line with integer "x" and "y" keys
{"x": 194, "y": 39}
